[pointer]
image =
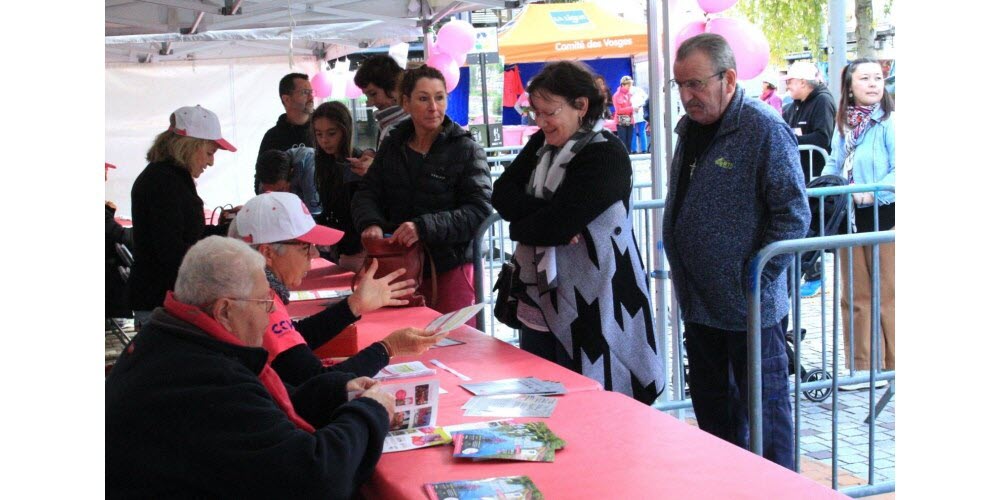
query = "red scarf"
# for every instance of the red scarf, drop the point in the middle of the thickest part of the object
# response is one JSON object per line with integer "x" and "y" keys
{"x": 268, "y": 377}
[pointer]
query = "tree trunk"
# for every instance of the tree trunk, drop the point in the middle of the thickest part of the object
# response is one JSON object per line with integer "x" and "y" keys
{"x": 864, "y": 31}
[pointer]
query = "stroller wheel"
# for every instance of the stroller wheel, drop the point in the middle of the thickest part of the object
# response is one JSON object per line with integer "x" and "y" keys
{"x": 817, "y": 395}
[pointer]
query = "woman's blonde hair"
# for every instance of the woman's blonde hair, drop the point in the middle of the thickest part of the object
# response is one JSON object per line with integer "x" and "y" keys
{"x": 179, "y": 149}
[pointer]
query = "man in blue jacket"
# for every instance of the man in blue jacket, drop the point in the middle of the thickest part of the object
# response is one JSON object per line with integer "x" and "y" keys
{"x": 735, "y": 187}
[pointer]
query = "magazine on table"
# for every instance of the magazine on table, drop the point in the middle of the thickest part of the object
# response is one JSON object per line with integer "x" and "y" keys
{"x": 530, "y": 442}
{"x": 412, "y": 439}
{"x": 526, "y": 385}
{"x": 510, "y": 405}
{"x": 510, "y": 487}
{"x": 409, "y": 369}
{"x": 416, "y": 403}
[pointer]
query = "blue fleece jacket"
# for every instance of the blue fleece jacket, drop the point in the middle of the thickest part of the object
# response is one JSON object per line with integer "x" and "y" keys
{"x": 747, "y": 192}
{"x": 874, "y": 155}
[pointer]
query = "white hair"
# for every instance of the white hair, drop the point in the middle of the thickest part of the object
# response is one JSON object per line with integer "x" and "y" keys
{"x": 214, "y": 268}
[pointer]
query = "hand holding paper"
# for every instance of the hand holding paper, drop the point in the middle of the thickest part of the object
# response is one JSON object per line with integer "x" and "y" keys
{"x": 412, "y": 341}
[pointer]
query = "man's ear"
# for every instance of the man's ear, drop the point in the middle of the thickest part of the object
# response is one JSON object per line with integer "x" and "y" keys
{"x": 268, "y": 252}
{"x": 285, "y": 98}
{"x": 730, "y": 77}
{"x": 221, "y": 311}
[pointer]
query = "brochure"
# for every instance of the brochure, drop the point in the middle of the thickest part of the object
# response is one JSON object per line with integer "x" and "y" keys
{"x": 510, "y": 405}
{"x": 416, "y": 403}
{"x": 527, "y": 385}
{"x": 298, "y": 295}
{"x": 446, "y": 342}
{"x": 454, "y": 319}
{"x": 411, "y": 439}
{"x": 530, "y": 442}
{"x": 509, "y": 488}
{"x": 409, "y": 369}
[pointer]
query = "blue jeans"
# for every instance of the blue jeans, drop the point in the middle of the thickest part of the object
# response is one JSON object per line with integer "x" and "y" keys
{"x": 718, "y": 379}
{"x": 641, "y": 142}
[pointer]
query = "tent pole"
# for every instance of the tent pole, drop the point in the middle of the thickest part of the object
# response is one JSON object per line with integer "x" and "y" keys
{"x": 659, "y": 102}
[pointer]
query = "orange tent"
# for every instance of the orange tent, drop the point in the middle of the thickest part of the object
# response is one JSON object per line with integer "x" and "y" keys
{"x": 575, "y": 31}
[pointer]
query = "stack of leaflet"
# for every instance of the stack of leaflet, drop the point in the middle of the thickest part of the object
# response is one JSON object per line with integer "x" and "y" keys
{"x": 531, "y": 442}
{"x": 527, "y": 385}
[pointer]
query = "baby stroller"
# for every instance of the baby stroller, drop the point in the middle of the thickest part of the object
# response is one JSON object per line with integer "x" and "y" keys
{"x": 834, "y": 214}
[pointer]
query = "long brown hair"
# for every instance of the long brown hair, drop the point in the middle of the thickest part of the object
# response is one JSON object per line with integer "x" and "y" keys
{"x": 847, "y": 97}
{"x": 328, "y": 175}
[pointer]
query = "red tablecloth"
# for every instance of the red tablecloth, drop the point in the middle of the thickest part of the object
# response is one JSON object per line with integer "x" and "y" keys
{"x": 615, "y": 448}
{"x": 325, "y": 275}
{"x": 483, "y": 358}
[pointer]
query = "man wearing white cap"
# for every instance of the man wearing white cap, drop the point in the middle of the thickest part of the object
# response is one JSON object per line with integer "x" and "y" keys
{"x": 279, "y": 226}
{"x": 168, "y": 216}
{"x": 811, "y": 116}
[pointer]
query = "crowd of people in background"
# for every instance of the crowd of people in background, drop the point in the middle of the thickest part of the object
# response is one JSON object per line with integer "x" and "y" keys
{"x": 213, "y": 310}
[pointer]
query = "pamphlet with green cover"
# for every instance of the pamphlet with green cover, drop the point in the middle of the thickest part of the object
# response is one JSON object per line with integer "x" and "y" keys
{"x": 510, "y": 488}
{"x": 531, "y": 442}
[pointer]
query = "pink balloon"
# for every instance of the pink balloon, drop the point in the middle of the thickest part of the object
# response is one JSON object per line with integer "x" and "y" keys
{"x": 351, "y": 90}
{"x": 321, "y": 84}
{"x": 748, "y": 42}
{"x": 456, "y": 39}
{"x": 692, "y": 29}
{"x": 448, "y": 67}
{"x": 713, "y": 6}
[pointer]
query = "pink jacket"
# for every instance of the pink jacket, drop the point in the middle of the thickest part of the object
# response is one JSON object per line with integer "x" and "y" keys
{"x": 623, "y": 101}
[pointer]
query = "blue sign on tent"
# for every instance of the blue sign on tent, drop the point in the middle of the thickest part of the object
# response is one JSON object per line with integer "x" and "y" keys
{"x": 570, "y": 18}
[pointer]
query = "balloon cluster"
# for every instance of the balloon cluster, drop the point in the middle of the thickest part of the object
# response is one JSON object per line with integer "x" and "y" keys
{"x": 749, "y": 45}
{"x": 449, "y": 50}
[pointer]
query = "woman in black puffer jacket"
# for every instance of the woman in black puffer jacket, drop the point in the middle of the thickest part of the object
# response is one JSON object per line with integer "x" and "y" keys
{"x": 429, "y": 183}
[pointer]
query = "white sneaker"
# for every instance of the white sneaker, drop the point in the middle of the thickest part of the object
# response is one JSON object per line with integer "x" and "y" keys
{"x": 863, "y": 385}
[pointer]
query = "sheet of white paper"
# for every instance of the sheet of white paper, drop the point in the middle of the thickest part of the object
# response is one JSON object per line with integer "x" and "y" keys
{"x": 454, "y": 319}
{"x": 514, "y": 405}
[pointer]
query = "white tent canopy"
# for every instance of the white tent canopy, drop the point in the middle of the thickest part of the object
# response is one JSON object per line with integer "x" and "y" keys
{"x": 166, "y": 30}
{"x": 231, "y": 64}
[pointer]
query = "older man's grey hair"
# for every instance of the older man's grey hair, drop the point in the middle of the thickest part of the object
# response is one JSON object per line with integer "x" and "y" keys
{"x": 217, "y": 267}
{"x": 713, "y": 46}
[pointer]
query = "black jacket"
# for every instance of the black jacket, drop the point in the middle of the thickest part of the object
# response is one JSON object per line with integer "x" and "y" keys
{"x": 187, "y": 417}
{"x": 447, "y": 198}
{"x": 283, "y": 136}
{"x": 815, "y": 116}
{"x": 168, "y": 217}
{"x": 115, "y": 298}
{"x": 598, "y": 176}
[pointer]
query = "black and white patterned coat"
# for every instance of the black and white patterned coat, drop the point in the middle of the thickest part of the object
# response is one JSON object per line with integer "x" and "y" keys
{"x": 600, "y": 310}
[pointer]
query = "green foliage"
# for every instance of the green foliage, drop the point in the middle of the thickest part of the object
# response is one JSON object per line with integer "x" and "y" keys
{"x": 789, "y": 25}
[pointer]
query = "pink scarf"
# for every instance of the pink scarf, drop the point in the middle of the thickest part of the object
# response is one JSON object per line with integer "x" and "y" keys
{"x": 268, "y": 377}
{"x": 766, "y": 95}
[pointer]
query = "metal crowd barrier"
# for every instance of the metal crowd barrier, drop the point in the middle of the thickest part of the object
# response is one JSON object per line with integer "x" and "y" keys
{"x": 816, "y": 149}
{"x": 797, "y": 247}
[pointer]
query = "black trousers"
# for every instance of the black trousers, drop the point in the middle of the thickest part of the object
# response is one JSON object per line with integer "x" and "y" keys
{"x": 717, "y": 361}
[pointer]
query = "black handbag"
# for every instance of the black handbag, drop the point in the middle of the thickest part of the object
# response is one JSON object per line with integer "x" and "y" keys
{"x": 505, "y": 306}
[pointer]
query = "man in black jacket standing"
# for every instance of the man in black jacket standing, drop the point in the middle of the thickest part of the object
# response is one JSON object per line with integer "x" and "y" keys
{"x": 811, "y": 114}
{"x": 292, "y": 128}
{"x": 811, "y": 117}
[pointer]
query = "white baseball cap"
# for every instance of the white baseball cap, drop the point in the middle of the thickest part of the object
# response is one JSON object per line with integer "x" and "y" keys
{"x": 200, "y": 123}
{"x": 275, "y": 217}
{"x": 803, "y": 70}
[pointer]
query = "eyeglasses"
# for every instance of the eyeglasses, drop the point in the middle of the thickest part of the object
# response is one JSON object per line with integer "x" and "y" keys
{"x": 268, "y": 302}
{"x": 693, "y": 84}
{"x": 308, "y": 247}
{"x": 535, "y": 114}
{"x": 303, "y": 92}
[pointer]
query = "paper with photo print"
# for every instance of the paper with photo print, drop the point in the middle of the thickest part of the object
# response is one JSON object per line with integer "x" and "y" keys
{"x": 509, "y": 488}
{"x": 412, "y": 439}
{"x": 410, "y": 369}
{"x": 526, "y": 385}
{"x": 416, "y": 403}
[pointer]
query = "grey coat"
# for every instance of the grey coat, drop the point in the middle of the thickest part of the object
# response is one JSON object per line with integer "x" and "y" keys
{"x": 747, "y": 192}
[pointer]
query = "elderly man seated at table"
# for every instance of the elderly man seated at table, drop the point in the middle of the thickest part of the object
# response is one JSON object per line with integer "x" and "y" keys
{"x": 278, "y": 225}
{"x": 192, "y": 409}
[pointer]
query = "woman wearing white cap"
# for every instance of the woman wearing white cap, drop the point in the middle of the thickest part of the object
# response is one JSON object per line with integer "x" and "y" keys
{"x": 168, "y": 216}
{"x": 278, "y": 225}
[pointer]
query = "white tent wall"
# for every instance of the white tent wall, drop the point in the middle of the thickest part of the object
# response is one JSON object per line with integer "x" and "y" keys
{"x": 242, "y": 92}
